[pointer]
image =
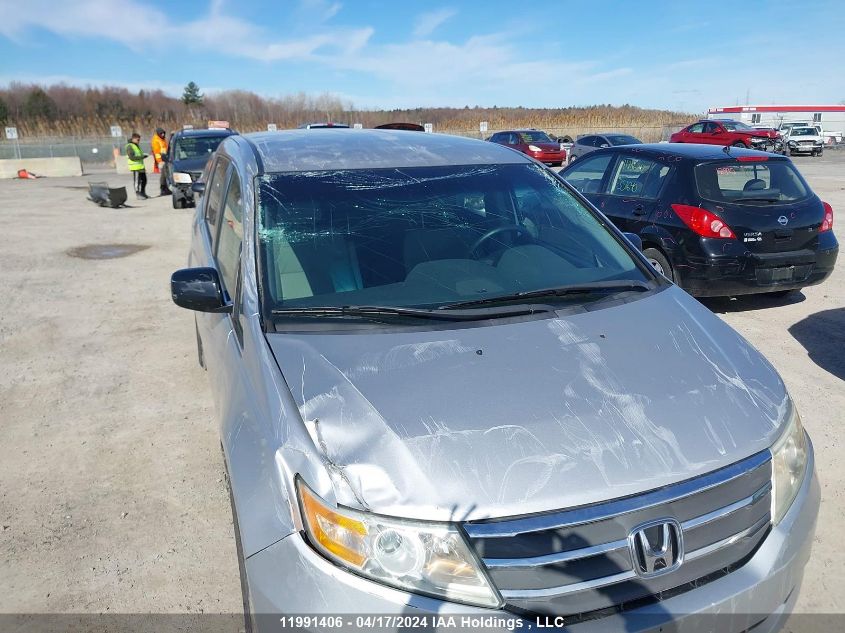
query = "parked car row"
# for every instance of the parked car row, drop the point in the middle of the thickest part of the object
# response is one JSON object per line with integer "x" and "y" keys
{"x": 447, "y": 383}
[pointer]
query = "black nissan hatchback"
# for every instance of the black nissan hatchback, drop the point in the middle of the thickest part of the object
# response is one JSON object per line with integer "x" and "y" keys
{"x": 716, "y": 221}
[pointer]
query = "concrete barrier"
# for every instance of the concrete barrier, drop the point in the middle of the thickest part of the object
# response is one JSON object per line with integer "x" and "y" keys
{"x": 122, "y": 166}
{"x": 56, "y": 167}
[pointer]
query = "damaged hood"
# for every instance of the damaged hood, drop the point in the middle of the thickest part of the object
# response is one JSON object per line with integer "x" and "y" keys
{"x": 513, "y": 418}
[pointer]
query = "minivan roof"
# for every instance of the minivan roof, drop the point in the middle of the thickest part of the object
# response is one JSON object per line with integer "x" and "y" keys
{"x": 299, "y": 150}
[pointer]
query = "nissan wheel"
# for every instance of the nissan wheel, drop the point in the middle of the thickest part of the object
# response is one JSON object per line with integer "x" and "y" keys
{"x": 659, "y": 262}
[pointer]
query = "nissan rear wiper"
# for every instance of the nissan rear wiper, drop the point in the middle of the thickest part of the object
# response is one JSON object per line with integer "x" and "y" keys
{"x": 603, "y": 287}
{"x": 390, "y": 312}
{"x": 760, "y": 199}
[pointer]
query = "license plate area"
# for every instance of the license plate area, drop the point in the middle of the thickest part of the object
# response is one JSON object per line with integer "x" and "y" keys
{"x": 783, "y": 274}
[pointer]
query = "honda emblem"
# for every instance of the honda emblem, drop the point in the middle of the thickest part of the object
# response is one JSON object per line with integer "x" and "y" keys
{"x": 657, "y": 547}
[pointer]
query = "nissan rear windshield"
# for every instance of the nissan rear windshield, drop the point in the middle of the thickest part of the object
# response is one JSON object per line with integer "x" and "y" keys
{"x": 750, "y": 182}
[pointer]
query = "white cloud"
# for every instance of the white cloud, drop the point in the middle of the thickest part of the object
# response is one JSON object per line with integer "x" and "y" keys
{"x": 422, "y": 69}
{"x": 130, "y": 23}
{"x": 322, "y": 9}
{"x": 483, "y": 70}
{"x": 427, "y": 23}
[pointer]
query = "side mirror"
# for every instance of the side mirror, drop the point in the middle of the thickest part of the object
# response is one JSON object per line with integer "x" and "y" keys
{"x": 603, "y": 145}
{"x": 164, "y": 157}
{"x": 198, "y": 187}
{"x": 198, "y": 289}
{"x": 635, "y": 240}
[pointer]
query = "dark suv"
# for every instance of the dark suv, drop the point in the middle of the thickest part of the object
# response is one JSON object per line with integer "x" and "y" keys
{"x": 187, "y": 154}
{"x": 717, "y": 221}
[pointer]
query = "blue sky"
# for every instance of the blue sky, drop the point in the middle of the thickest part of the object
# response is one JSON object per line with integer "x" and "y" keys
{"x": 650, "y": 53}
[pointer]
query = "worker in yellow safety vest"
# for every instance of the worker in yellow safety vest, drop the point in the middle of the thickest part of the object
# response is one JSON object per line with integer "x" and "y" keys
{"x": 135, "y": 159}
{"x": 159, "y": 145}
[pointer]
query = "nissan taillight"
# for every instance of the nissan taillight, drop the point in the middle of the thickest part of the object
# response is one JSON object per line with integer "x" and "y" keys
{"x": 705, "y": 223}
{"x": 827, "y": 221}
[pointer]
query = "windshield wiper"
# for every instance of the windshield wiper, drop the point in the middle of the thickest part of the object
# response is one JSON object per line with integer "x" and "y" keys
{"x": 381, "y": 312}
{"x": 559, "y": 291}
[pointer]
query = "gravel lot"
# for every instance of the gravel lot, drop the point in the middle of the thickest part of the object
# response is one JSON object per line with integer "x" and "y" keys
{"x": 112, "y": 491}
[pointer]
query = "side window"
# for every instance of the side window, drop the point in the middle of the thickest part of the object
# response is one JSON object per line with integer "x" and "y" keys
{"x": 587, "y": 141}
{"x": 637, "y": 177}
{"x": 710, "y": 128}
{"x": 231, "y": 237}
{"x": 513, "y": 139}
{"x": 698, "y": 128}
{"x": 586, "y": 177}
{"x": 214, "y": 191}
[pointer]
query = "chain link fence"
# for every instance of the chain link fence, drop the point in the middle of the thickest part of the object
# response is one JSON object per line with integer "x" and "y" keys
{"x": 95, "y": 152}
{"x": 98, "y": 152}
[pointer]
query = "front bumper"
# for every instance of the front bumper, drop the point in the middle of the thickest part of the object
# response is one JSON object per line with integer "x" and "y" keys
{"x": 183, "y": 192}
{"x": 549, "y": 158}
{"x": 755, "y": 273}
{"x": 767, "y": 144}
{"x": 805, "y": 149}
{"x": 289, "y": 578}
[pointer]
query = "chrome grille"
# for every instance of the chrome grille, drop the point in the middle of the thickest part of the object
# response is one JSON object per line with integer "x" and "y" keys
{"x": 579, "y": 560}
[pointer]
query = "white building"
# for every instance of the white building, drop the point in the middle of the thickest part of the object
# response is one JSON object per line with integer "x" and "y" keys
{"x": 830, "y": 117}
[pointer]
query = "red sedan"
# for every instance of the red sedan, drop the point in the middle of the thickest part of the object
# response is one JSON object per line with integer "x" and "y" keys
{"x": 727, "y": 132}
{"x": 534, "y": 143}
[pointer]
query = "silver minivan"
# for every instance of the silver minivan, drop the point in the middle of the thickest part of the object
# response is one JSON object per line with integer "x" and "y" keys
{"x": 448, "y": 386}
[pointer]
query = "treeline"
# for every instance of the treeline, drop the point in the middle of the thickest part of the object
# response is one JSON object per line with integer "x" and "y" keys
{"x": 61, "y": 110}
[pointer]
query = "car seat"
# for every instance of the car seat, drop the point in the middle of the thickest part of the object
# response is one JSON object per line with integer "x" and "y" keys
{"x": 424, "y": 245}
{"x": 307, "y": 263}
{"x": 755, "y": 184}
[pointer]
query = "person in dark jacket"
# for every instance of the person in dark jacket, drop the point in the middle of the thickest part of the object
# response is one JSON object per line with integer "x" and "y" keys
{"x": 135, "y": 160}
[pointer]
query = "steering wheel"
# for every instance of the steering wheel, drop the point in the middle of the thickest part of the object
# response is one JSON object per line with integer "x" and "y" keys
{"x": 507, "y": 228}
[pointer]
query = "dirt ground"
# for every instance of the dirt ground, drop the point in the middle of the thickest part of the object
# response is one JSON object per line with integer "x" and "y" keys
{"x": 112, "y": 491}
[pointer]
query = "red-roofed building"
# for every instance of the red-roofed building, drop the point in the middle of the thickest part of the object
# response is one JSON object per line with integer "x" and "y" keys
{"x": 830, "y": 117}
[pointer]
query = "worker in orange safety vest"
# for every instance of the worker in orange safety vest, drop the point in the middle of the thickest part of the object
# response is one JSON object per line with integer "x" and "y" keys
{"x": 159, "y": 145}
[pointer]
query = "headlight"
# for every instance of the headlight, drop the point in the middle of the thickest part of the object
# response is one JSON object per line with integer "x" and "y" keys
{"x": 792, "y": 143}
{"x": 789, "y": 461}
{"x": 534, "y": 148}
{"x": 182, "y": 178}
{"x": 418, "y": 556}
